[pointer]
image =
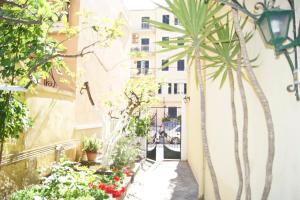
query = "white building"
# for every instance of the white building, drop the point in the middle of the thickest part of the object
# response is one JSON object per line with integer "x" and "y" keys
{"x": 144, "y": 38}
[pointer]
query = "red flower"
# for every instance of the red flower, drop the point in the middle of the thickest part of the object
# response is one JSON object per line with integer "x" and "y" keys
{"x": 116, "y": 178}
{"x": 102, "y": 186}
{"x": 115, "y": 169}
{"x": 128, "y": 173}
{"x": 123, "y": 189}
{"x": 117, "y": 194}
{"x": 91, "y": 185}
{"x": 109, "y": 189}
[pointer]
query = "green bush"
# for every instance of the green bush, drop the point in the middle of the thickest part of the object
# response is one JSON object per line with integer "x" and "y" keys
{"x": 139, "y": 126}
{"x": 64, "y": 183}
{"x": 91, "y": 145}
{"x": 124, "y": 153}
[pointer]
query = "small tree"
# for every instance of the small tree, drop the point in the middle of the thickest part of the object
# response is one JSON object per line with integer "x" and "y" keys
{"x": 133, "y": 117}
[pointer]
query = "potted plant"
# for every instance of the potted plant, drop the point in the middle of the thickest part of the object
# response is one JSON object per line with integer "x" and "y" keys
{"x": 91, "y": 146}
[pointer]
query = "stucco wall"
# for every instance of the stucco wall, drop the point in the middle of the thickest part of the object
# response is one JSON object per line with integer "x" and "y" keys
{"x": 274, "y": 75}
{"x": 108, "y": 72}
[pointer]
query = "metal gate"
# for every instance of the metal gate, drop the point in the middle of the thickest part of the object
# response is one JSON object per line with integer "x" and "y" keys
{"x": 164, "y": 140}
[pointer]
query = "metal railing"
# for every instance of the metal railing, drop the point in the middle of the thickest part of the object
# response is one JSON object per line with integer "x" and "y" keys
{"x": 140, "y": 72}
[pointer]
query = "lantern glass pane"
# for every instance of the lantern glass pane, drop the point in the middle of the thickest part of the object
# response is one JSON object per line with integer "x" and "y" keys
{"x": 279, "y": 25}
{"x": 265, "y": 29}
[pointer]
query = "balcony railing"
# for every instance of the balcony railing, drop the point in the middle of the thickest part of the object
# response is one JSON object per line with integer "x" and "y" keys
{"x": 145, "y": 26}
{"x": 140, "y": 72}
{"x": 143, "y": 48}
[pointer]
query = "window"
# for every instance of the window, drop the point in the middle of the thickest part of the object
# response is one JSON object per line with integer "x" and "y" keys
{"x": 143, "y": 67}
{"x": 170, "y": 88}
{"x": 159, "y": 89}
{"x": 172, "y": 112}
{"x": 164, "y": 66}
{"x": 180, "y": 65}
{"x": 176, "y": 21}
{"x": 185, "y": 88}
{"x": 145, "y": 22}
{"x": 145, "y": 44}
{"x": 180, "y": 41}
{"x": 164, "y": 39}
{"x": 175, "y": 88}
{"x": 166, "y": 19}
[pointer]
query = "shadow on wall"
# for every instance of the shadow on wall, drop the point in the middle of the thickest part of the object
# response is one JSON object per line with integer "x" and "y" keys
{"x": 43, "y": 117}
{"x": 186, "y": 187}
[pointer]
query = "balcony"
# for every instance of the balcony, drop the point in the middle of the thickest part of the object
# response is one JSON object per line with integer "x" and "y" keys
{"x": 141, "y": 72}
{"x": 144, "y": 48}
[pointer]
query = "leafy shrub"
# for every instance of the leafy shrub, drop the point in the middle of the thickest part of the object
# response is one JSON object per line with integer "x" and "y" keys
{"x": 139, "y": 126}
{"x": 124, "y": 153}
{"x": 91, "y": 145}
{"x": 64, "y": 183}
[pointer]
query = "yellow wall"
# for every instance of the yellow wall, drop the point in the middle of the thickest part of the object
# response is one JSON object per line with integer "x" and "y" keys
{"x": 274, "y": 75}
{"x": 108, "y": 72}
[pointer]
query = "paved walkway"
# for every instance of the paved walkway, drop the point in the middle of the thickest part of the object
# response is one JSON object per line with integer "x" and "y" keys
{"x": 167, "y": 180}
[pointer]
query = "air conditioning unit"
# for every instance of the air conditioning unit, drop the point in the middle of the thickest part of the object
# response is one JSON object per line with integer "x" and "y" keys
{"x": 135, "y": 38}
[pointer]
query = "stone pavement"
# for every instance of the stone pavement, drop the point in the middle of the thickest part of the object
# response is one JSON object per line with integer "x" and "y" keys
{"x": 165, "y": 180}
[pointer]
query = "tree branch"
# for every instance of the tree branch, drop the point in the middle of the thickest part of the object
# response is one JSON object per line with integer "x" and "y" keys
{"x": 33, "y": 69}
{"x": 20, "y": 21}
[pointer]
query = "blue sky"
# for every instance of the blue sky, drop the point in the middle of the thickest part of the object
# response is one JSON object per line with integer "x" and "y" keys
{"x": 141, "y": 4}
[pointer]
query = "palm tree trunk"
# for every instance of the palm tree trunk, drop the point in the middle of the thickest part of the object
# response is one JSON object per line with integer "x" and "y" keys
{"x": 245, "y": 130}
{"x": 236, "y": 135}
{"x": 203, "y": 130}
{"x": 264, "y": 103}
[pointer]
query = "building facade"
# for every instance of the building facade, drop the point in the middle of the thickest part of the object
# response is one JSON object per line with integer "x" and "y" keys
{"x": 171, "y": 78}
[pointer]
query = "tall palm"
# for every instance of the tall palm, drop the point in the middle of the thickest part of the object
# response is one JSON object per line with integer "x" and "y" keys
{"x": 264, "y": 103}
{"x": 221, "y": 52}
{"x": 197, "y": 18}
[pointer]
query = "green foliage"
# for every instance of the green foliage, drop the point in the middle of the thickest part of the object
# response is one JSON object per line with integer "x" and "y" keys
{"x": 140, "y": 94}
{"x": 124, "y": 153}
{"x": 221, "y": 50}
{"x": 64, "y": 183}
{"x": 14, "y": 118}
{"x": 91, "y": 145}
{"x": 139, "y": 126}
{"x": 197, "y": 18}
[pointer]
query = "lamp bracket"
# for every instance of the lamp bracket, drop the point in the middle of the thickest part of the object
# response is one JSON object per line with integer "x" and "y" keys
{"x": 87, "y": 88}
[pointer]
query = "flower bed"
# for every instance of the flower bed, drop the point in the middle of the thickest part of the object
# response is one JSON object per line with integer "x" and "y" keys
{"x": 75, "y": 182}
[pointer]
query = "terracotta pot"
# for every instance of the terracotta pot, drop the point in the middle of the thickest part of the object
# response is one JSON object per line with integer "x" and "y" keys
{"x": 91, "y": 156}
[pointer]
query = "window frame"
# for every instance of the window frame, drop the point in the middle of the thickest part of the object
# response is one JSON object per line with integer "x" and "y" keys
{"x": 166, "y": 19}
{"x": 181, "y": 68}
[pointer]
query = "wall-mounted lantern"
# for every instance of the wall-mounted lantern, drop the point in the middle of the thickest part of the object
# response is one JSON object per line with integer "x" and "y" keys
{"x": 274, "y": 23}
{"x": 186, "y": 99}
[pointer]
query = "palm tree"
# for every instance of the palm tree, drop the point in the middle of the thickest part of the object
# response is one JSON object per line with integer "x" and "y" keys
{"x": 245, "y": 128}
{"x": 221, "y": 52}
{"x": 197, "y": 18}
{"x": 264, "y": 103}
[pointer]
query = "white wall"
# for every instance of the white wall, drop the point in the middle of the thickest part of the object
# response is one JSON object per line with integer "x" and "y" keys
{"x": 274, "y": 75}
